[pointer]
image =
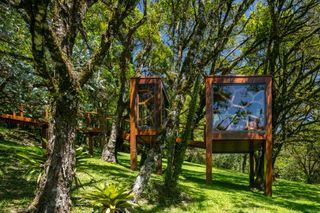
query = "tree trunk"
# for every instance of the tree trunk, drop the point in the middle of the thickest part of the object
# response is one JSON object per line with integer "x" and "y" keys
{"x": 53, "y": 193}
{"x": 244, "y": 163}
{"x": 259, "y": 183}
{"x": 141, "y": 181}
{"x": 175, "y": 165}
{"x": 109, "y": 149}
{"x": 144, "y": 155}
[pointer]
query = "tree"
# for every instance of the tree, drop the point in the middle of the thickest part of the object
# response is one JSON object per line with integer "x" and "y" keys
{"x": 197, "y": 48}
{"x": 126, "y": 39}
{"x": 55, "y": 28}
{"x": 305, "y": 152}
{"x": 287, "y": 34}
{"x": 192, "y": 31}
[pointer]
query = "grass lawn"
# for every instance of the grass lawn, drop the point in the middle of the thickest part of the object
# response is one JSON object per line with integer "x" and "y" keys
{"x": 228, "y": 193}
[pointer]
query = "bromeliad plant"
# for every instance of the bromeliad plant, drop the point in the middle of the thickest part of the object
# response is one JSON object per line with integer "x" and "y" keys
{"x": 109, "y": 198}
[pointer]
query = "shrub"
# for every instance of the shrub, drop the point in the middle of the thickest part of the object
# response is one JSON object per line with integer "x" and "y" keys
{"x": 109, "y": 198}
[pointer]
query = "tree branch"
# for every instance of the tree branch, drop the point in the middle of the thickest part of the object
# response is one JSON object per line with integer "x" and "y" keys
{"x": 118, "y": 15}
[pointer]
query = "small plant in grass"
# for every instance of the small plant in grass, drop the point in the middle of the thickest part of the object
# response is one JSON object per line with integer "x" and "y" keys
{"x": 81, "y": 156}
{"x": 109, "y": 198}
{"x": 34, "y": 158}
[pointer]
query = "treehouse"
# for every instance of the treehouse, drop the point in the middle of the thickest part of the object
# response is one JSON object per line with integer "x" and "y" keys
{"x": 148, "y": 103}
{"x": 239, "y": 120}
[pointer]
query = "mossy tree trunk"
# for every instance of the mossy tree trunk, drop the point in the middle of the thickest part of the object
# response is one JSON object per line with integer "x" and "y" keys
{"x": 154, "y": 153}
{"x": 177, "y": 156}
{"x": 53, "y": 193}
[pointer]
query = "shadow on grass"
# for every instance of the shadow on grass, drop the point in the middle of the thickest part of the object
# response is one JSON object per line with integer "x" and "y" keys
{"x": 14, "y": 188}
{"x": 161, "y": 200}
{"x": 108, "y": 169}
{"x": 288, "y": 195}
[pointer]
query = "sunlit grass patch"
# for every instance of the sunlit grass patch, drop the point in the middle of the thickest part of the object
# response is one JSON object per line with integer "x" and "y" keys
{"x": 228, "y": 193}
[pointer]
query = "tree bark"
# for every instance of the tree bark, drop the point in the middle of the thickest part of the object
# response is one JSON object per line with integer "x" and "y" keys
{"x": 175, "y": 166}
{"x": 109, "y": 149}
{"x": 144, "y": 155}
{"x": 244, "y": 163}
{"x": 53, "y": 194}
{"x": 141, "y": 181}
{"x": 258, "y": 182}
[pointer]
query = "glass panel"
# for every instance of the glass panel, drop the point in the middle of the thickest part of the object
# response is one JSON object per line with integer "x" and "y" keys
{"x": 238, "y": 107}
{"x": 146, "y": 105}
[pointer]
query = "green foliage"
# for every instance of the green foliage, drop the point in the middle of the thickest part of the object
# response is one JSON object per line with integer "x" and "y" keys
{"x": 163, "y": 45}
{"x": 260, "y": 22}
{"x": 81, "y": 156}
{"x": 2, "y": 170}
{"x": 227, "y": 161}
{"x": 109, "y": 198}
{"x": 34, "y": 158}
{"x": 300, "y": 159}
{"x": 196, "y": 155}
{"x": 19, "y": 84}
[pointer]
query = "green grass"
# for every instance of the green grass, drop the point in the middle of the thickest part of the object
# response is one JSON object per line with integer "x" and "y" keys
{"x": 228, "y": 193}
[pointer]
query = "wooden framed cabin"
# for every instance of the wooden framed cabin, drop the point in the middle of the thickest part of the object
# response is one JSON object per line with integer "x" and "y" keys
{"x": 239, "y": 120}
{"x": 148, "y": 102}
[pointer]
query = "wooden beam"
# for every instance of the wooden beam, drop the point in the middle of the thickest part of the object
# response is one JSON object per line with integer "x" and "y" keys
{"x": 268, "y": 148}
{"x": 157, "y": 115}
{"x": 16, "y": 118}
{"x": 133, "y": 130}
{"x": 228, "y": 135}
{"x": 208, "y": 131}
{"x": 239, "y": 79}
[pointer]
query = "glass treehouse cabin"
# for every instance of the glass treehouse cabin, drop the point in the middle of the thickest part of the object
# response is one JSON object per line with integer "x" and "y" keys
{"x": 148, "y": 103}
{"x": 239, "y": 119}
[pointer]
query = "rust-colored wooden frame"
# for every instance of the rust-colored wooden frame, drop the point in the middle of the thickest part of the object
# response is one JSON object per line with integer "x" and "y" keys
{"x": 211, "y": 136}
{"x": 136, "y": 132}
{"x": 30, "y": 121}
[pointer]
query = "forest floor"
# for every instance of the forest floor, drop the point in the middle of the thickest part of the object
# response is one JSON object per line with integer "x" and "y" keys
{"x": 228, "y": 193}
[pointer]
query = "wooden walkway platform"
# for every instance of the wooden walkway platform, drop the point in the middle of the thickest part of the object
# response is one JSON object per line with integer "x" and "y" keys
{"x": 90, "y": 131}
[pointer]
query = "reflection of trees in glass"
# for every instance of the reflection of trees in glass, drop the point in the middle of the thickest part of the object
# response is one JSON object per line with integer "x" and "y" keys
{"x": 239, "y": 107}
{"x": 146, "y": 105}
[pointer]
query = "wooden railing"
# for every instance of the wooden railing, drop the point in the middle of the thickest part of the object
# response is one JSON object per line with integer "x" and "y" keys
{"x": 90, "y": 126}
